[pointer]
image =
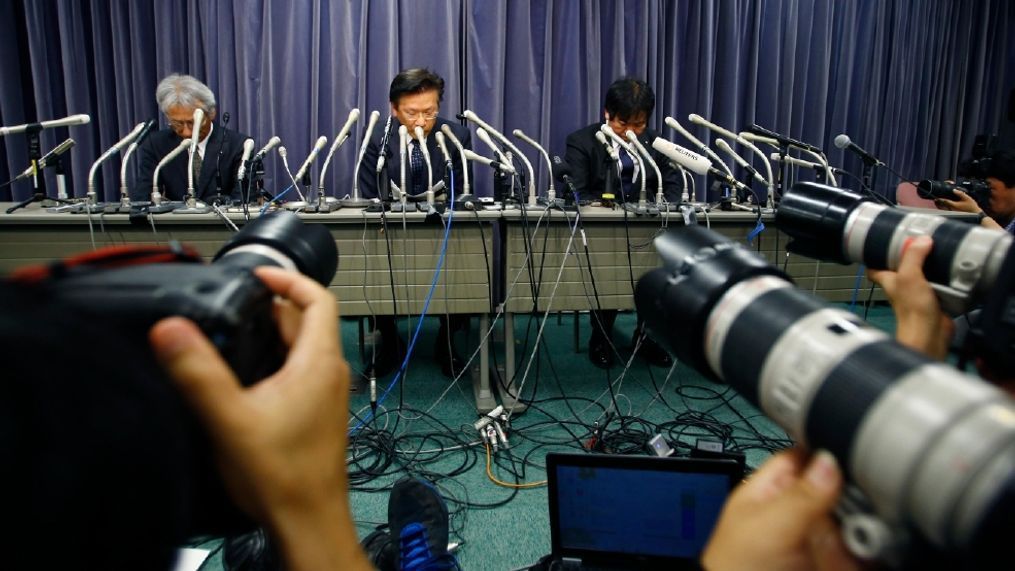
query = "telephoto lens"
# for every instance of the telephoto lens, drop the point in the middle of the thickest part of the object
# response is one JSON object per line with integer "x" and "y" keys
{"x": 931, "y": 450}
{"x": 836, "y": 225}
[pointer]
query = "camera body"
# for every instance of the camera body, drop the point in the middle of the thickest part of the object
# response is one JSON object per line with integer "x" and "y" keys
{"x": 977, "y": 188}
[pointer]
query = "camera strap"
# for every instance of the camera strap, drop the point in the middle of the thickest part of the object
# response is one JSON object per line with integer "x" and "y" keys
{"x": 110, "y": 257}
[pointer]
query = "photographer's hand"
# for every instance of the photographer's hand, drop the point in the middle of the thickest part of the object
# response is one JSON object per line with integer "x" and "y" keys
{"x": 965, "y": 203}
{"x": 280, "y": 444}
{"x": 920, "y": 323}
{"x": 781, "y": 518}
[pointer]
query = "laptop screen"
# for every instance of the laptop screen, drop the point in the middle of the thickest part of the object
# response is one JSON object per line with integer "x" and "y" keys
{"x": 641, "y": 506}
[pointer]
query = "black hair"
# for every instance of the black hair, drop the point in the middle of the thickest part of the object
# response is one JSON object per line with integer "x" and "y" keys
{"x": 1002, "y": 167}
{"x": 415, "y": 80}
{"x": 628, "y": 97}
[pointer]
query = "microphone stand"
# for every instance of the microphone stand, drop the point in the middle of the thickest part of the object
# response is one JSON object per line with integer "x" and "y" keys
{"x": 38, "y": 181}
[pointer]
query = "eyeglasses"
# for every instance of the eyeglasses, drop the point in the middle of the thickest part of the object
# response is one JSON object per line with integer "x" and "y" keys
{"x": 414, "y": 115}
{"x": 178, "y": 125}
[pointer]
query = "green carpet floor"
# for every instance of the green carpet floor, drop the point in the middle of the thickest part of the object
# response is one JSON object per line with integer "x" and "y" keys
{"x": 424, "y": 428}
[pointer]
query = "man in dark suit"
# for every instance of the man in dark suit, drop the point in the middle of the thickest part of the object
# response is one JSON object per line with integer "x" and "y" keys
{"x": 218, "y": 154}
{"x": 629, "y": 105}
{"x": 415, "y": 96}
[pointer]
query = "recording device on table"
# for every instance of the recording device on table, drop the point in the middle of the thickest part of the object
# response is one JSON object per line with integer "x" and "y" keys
{"x": 928, "y": 452}
{"x": 126, "y": 289}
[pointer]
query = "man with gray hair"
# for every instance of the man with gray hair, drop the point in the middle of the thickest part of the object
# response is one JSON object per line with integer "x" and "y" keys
{"x": 218, "y": 153}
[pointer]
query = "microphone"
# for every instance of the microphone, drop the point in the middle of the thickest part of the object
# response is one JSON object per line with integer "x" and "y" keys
{"x": 282, "y": 152}
{"x": 722, "y": 144}
{"x": 562, "y": 171}
{"x": 65, "y": 122}
{"x": 156, "y": 195}
{"x": 355, "y": 200}
{"x": 421, "y": 141}
{"x": 443, "y": 147}
{"x": 673, "y": 124}
{"x": 447, "y": 132}
{"x": 340, "y": 138}
{"x": 648, "y": 159}
{"x": 321, "y": 141}
{"x": 272, "y": 143}
{"x": 781, "y": 139}
{"x": 195, "y": 135}
{"x": 770, "y": 181}
{"x": 842, "y": 142}
{"x": 748, "y": 136}
{"x": 501, "y": 166}
{"x": 116, "y": 148}
{"x": 692, "y": 161}
{"x": 382, "y": 152}
{"x": 485, "y": 137}
{"x": 248, "y": 147}
{"x": 403, "y": 145}
{"x": 43, "y": 162}
{"x": 805, "y": 164}
{"x": 551, "y": 194}
{"x": 468, "y": 114}
{"x": 609, "y": 148}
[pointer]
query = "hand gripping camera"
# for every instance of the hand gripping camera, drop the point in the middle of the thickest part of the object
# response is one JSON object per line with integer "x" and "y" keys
{"x": 929, "y": 452}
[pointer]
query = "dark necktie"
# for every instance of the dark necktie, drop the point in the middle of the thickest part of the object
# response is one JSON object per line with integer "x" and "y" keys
{"x": 197, "y": 168}
{"x": 626, "y": 173}
{"x": 419, "y": 182}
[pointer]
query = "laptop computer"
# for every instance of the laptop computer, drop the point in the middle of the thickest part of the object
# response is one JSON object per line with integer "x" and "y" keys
{"x": 634, "y": 512}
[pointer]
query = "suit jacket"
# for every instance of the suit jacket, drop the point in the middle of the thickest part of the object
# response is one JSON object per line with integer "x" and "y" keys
{"x": 173, "y": 176}
{"x": 368, "y": 170}
{"x": 591, "y": 164}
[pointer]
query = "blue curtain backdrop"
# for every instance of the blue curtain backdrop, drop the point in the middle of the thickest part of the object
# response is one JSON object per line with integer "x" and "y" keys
{"x": 911, "y": 81}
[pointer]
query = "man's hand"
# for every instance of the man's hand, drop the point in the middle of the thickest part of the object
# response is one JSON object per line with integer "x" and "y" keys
{"x": 965, "y": 203}
{"x": 781, "y": 518}
{"x": 920, "y": 323}
{"x": 280, "y": 444}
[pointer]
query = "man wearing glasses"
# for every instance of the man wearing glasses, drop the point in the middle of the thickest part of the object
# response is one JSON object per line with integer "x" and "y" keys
{"x": 628, "y": 106}
{"x": 415, "y": 96}
{"x": 218, "y": 151}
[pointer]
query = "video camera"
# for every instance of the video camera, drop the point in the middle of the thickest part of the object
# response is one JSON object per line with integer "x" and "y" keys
{"x": 929, "y": 452}
{"x": 119, "y": 293}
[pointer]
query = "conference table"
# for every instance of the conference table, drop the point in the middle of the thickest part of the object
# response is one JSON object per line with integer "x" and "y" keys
{"x": 497, "y": 262}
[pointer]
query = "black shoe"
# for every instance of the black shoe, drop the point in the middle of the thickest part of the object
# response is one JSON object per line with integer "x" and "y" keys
{"x": 654, "y": 354}
{"x": 381, "y": 550}
{"x": 418, "y": 518}
{"x": 600, "y": 353}
{"x": 388, "y": 361}
{"x": 253, "y": 551}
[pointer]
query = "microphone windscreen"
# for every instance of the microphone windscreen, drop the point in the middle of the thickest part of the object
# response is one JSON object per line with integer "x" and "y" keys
{"x": 842, "y": 141}
{"x": 688, "y": 159}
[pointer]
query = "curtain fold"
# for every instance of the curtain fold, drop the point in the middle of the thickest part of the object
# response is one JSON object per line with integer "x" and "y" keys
{"x": 913, "y": 82}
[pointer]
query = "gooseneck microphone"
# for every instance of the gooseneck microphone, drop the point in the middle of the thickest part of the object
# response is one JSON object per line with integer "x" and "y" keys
{"x": 382, "y": 150}
{"x": 116, "y": 148}
{"x": 355, "y": 200}
{"x": 321, "y": 142}
{"x": 446, "y": 130}
{"x": 421, "y": 141}
{"x": 673, "y": 124}
{"x": 693, "y": 162}
{"x": 551, "y": 193}
{"x": 780, "y": 140}
{"x": 340, "y": 139}
{"x": 468, "y": 114}
{"x": 156, "y": 195}
{"x": 770, "y": 180}
{"x": 195, "y": 136}
{"x": 648, "y": 159}
{"x": 124, "y": 193}
{"x": 272, "y": 143}
{"x": 65, "y": 122}
{"x": 499, "y": 165}
{"x": 842, "y": 141}
{"x": 726, "y": 148}
{"x": 403, "y": 145}
{"x": 248, "y": 148}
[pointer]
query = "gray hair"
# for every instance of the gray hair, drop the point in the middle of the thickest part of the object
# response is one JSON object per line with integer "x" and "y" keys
{"x": 184, "y": 90}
